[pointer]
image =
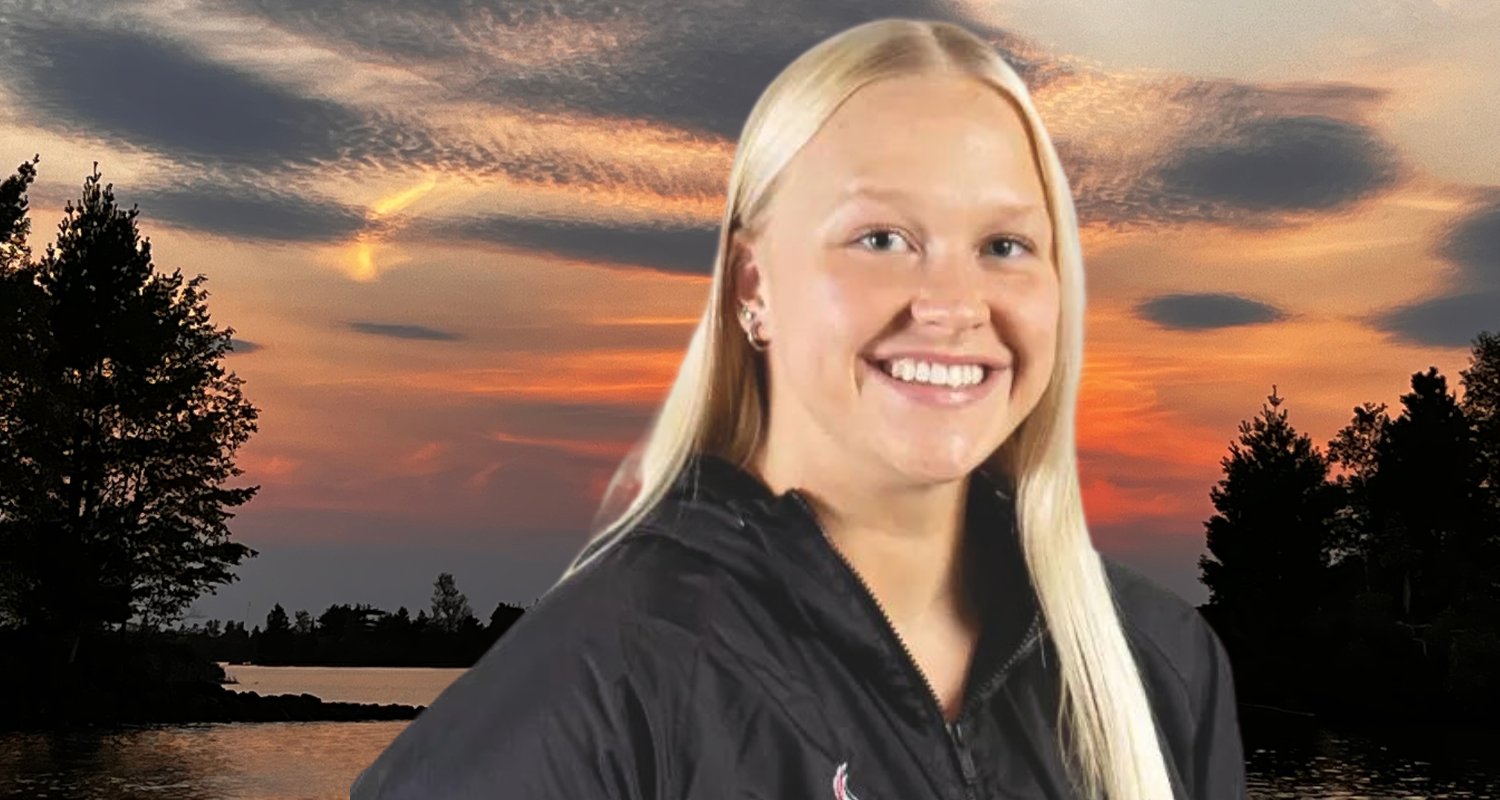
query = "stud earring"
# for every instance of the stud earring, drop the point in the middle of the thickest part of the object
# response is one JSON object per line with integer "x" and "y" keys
{"x": 752, "y": 328}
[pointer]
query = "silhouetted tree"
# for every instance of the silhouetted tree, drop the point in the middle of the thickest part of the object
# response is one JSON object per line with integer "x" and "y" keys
{"x": 15, "y": 225}
{"x": 22, "y": 312}
{"x": 1354, "y": 450}
{"x": 276, "y": 621}
{"x": 1481, "y": 404}
{"x": 341, "y": 620}
{"x": 504, "y": 616}
{"x": 304, "y": 624}
{"x": 450, "y": 609}
{"x": 274, "y": 645}
{"x": 1427, "y": 507}
{"x": 1267, "y": 544}
{"x": 117, "y": 430}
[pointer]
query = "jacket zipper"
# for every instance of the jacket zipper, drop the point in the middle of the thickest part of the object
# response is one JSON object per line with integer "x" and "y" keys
{"x": 965, "y": 760}
{"x": 957, "y": 745}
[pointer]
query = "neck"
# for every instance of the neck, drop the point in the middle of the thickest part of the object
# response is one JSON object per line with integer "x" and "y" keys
{"x": 904, "y": 540}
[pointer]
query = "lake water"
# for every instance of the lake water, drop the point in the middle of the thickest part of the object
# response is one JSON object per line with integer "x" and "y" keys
{"x": 408, "y": 686}
{"x": 318, "y": 760}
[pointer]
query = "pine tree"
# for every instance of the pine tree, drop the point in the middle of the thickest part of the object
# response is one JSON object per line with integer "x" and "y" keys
{"x": 1267, "y": 565}
{"x": 1354, "y": 449}
{"x": 450, "y": 609}
{"x": 1428, "y": 507}
{"x": 276, "y": 621}
{"x": 117, "y": 428}
{"x": 1481, "y": 404}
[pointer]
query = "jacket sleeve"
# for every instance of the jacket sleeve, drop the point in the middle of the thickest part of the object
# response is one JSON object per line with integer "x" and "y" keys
{"x": 1219, "y": 758}
{"x": 549, "y": 713}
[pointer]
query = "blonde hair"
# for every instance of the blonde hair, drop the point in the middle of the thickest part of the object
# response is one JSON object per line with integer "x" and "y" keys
{"x": 718, "y": 403}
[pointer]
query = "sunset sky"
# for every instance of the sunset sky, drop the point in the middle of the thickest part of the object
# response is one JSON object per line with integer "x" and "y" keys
{"x": 462, "y": 243}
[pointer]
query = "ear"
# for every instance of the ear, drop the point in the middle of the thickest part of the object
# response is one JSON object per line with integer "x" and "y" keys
{"x": 746, "y": 274}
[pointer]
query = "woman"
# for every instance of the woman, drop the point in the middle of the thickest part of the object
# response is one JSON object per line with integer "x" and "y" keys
{"x": 852, "y": 561}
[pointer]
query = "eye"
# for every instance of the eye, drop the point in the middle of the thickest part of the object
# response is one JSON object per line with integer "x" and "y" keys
{"x": 1010, "y": 244}
{"x": 880, "y": 233}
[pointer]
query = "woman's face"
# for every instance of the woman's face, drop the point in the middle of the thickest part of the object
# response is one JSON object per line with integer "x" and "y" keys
{"x": 910, "y": 236}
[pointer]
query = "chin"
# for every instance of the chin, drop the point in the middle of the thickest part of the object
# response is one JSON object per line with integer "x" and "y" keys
{"x": 933, "y": 467}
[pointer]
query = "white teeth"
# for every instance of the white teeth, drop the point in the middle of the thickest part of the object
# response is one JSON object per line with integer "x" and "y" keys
{"x": 951, "y": 375}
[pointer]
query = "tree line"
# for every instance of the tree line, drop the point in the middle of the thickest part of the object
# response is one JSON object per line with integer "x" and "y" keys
{"x": 359, "y": 635}
{"x": 1363, "y": 579}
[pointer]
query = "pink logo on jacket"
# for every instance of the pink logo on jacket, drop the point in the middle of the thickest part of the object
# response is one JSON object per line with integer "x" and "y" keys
{"x": 841, "y": 783}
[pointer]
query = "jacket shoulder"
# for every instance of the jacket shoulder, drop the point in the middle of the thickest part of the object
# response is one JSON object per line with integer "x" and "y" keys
{"x": 1161, "y": 620}
{"x": 570, "y": 701}
{"x": 1187, "y": 669}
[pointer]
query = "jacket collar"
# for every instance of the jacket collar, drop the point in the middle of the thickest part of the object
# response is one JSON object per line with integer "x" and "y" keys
{"x": 776, "y": 546}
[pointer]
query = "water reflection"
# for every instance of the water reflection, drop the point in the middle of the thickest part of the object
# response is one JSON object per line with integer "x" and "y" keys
{"x": 219, "y": 761}
{"x": 1304, "y": 761}
{"x": 413, "y": 686}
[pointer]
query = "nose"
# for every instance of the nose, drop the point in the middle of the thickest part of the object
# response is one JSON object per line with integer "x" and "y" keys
{"x": 950, "y": 296}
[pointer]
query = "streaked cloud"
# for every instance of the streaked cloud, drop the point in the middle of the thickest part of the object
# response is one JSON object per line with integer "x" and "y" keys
{"x": 248, "y": 211}
{"x": 142, "y": 90}
{"x": 399, "y": 331}
{"x": 698, "y": 68}
{"x": 666, "y": 248}
{"x": 594, "y": 448}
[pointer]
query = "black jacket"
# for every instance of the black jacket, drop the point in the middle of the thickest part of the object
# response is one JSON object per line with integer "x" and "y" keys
{"x": 724, "y": 649}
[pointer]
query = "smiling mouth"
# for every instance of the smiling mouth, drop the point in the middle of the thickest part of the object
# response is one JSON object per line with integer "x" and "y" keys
{"x": 933, "y": 373}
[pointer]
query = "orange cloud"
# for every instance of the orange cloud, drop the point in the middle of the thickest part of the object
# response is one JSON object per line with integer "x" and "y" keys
{"x": 626, "y": 377}
{"x": 1107, "y": 504}
{"x": 577, "y": 447}
{"x": 268, "y": 468}
{"x": 424, "y": 461}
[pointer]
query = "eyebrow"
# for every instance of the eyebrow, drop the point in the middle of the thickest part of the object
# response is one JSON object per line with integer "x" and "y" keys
{"x": 1005, "y": 208}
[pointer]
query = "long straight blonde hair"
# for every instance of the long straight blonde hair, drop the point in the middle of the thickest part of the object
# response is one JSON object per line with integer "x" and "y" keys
{"x": 717, "y": 404}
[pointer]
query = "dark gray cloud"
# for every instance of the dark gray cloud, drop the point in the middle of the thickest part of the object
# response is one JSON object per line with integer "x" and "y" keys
{"x": 150, "y": 92}
{"x": 699, "y": 67}
{"x": 1473, "y": 243}
{"x": 139, "y": 90}
{"x": 1206, "y": 311}
{"x": 667, "y": 249}
{"x": 1298, "y": 163}
{"x": 241, "y": 346}
{"x": 1448, "y": 321}
{"x": 244, "y": 211}
{"x": 397, "y": 331}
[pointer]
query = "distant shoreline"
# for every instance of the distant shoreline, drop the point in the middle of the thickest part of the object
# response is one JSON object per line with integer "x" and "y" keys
{"x": 185, "y": 703}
